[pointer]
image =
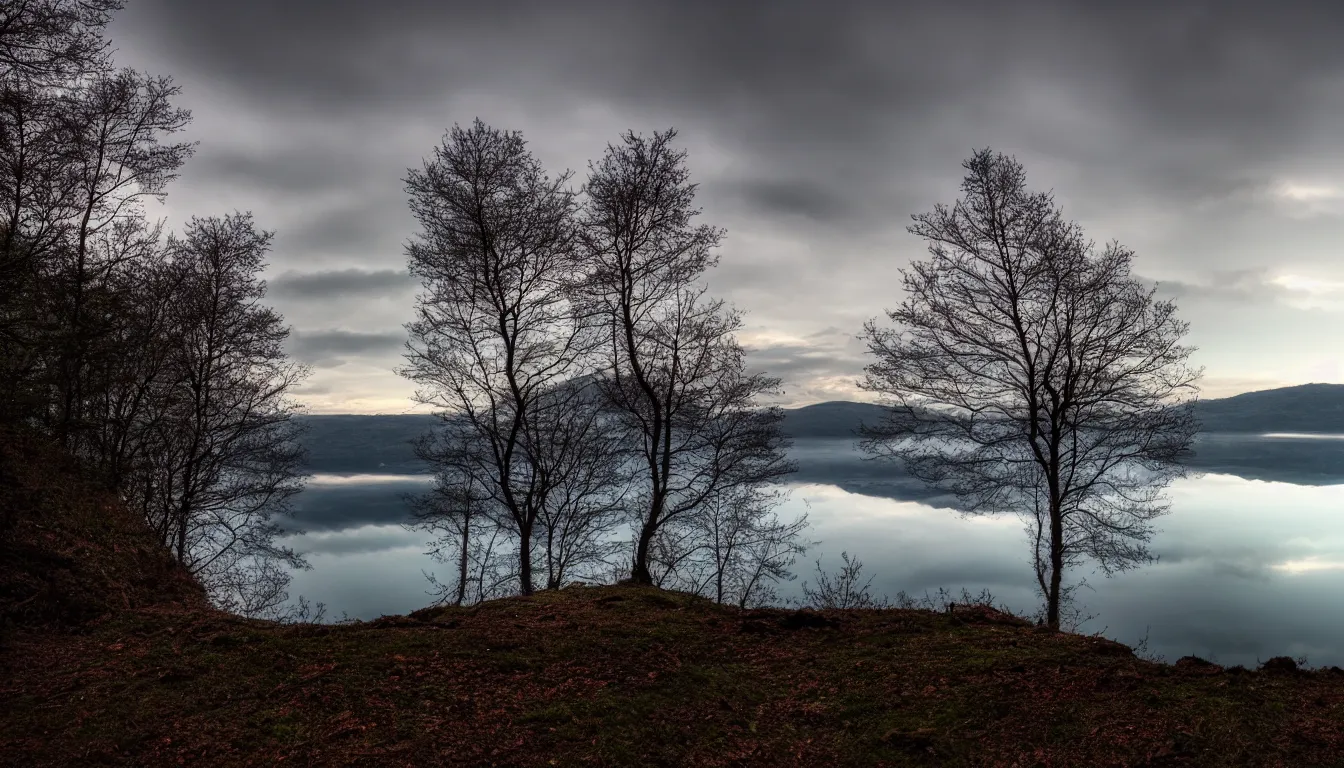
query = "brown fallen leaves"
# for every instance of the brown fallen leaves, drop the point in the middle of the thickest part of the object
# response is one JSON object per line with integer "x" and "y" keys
{"x": 629, "y": 676}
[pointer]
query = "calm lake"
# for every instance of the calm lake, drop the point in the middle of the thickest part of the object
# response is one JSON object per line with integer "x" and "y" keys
{"x": 1251, "y": 557}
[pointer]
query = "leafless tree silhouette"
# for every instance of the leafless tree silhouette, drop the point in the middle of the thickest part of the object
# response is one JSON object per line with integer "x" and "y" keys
{"x": 51, "y": 51}
{"x": 154, "y": 362}
{"x": 112, "y": 130}
{"x": 747, "y": 548}
{"x": 50, "y": 41}
{"x": 497, "y": 347}
{"x": 842, "y": 590}
{"x": 467, "y": 538}
{"x": 223, "y": 458}
{"x": 1030, "y": 372}
{"x": 675, "y": 379}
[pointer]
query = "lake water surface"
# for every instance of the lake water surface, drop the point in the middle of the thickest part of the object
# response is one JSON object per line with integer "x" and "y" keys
{"x": 1251, "y": 558}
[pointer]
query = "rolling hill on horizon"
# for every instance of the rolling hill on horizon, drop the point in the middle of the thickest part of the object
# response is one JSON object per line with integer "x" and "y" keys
{"x": 349, "y": 443}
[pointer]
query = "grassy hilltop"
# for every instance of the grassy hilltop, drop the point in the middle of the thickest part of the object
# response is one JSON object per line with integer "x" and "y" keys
{"x": 112, "y": 658}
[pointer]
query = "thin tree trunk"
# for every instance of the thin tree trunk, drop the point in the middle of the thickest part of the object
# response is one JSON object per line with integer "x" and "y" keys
{"x": 462, "y": 562}
{"x": 525, "y": 559}
{"x": 181, "y": 544}
{"x": 1056, "y": 564}
{"x": 641, "y": 573}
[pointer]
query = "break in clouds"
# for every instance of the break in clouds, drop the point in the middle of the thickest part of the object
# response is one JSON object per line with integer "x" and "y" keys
{"x": 1204, "y": 137}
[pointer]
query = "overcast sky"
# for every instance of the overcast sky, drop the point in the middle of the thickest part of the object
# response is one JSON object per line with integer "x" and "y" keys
{"x": 1205, "y": 136}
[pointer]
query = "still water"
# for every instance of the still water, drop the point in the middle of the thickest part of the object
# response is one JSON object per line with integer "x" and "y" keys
{"x": 1251, "y": 557}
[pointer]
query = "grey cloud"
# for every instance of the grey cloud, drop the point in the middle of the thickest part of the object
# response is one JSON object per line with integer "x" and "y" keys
{"x": 282, "y": 167}
{"x": 832, "y": 73}
{"x": 794, "y": 360}
{"x": 1230, "y": 285}
{"x": 1240, "y": 562}
{"x": 331, "y": 348}
{"x": 814, "y": 130}
{"x": 341, "y": 283}
{"x": 312, "y": 388}
{"x": 842, "y": 92}
{"x": 791, "y": 198}
{"x": 1237, "y": 286}
{"x": 826, "y": 367}
{"x": 368, "y": 229}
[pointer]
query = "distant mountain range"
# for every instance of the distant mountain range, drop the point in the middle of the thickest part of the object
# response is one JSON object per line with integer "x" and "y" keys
{"x": 360, "y": 443}
{"x": 1308, "y": 408}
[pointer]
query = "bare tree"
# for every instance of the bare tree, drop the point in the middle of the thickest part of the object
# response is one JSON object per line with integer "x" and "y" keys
{"x": 467, "y": 538}
{"x": 48, "y": 51}
{"x": 495, "y": 342}
{"x": 224, "y": 459}
{"x": 491, "y": 571}
{"x": 1029, "y": 372}
{"x": 113, "y": 128}
{"x": 578, "y": 457}
{"x": 733, "y": 548}
{"x": 748, "y": 548}
{"x": 128, "y": 371}
{"x": 842, "y": 590}
{"x": 155, "y": 362}
{"x": 675, "y": 373}
{"x": 675, "y": 557}
{"x": 54, "y": 40}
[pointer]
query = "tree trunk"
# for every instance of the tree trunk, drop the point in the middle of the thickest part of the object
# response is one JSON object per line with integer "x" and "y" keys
{"x": 1056, "y": 565}
{"x": 554, "y": 570}
{"x": 641, "y": 574}
{"x": 462, "y": 563}
{"x": 181, "y": 544}
{"x": 525, "y": 559}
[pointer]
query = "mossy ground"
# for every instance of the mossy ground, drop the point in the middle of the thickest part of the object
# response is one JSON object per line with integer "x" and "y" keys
{"x": 631, "y": 676}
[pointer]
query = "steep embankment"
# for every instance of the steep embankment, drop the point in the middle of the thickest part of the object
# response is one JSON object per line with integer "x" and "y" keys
{"x": 70, "y": 552}
{"x": 114, "y": 659}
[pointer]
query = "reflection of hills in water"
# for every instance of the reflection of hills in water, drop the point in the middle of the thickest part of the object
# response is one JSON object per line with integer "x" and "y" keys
{"x": 1304, "y": 460}
{"x": 1299, "y": 460}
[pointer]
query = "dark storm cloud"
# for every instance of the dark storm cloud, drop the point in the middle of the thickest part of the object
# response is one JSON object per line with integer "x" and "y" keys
{"x": 839, "y": 69}
{"x": 1188, "y": 101}
{"x": 340, "y": 283}
{"x": 790, "y": 198}
{"x": 330, "y": 348}
{"x": 291, "y": 169}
